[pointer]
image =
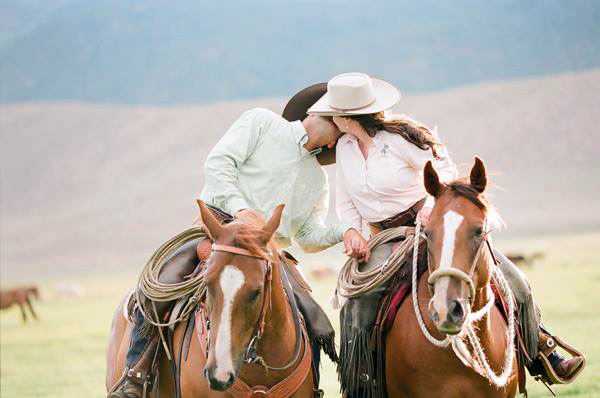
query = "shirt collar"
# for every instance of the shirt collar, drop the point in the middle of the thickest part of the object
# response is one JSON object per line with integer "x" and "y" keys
{"x": 301, "y": 136}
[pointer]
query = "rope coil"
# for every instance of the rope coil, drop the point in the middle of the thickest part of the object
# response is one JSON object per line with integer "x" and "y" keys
{"x": 150, "y": 289}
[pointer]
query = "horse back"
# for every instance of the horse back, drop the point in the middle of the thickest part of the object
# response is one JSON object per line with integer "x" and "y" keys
{"x": 118, "y": 345}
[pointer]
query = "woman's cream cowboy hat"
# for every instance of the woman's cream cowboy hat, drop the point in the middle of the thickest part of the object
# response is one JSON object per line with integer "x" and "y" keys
{"x": 355, "y": 94}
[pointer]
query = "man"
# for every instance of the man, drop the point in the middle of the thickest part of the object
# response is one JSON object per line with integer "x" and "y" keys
{"x": 263, "y": 160}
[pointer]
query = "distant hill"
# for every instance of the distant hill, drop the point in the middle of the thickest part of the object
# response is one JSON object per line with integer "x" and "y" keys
{"x": 97, "y": 187}
{"x": 189, "y": 51}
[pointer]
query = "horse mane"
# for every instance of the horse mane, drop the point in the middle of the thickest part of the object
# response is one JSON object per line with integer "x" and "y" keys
{"x": 462, "y": 188}
{"x": 249, "y": 228}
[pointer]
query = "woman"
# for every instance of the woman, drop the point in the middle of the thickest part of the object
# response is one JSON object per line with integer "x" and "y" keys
{"x": 380, "y": 159}
{"x": 379, "y": 181}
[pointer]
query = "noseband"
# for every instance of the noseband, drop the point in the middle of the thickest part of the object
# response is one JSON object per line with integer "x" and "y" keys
{"x": 251, "y": 355}
{"x": 454, "y": 272}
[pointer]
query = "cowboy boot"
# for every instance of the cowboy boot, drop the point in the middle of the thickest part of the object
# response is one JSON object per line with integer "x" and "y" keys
{"x": 142, "y": 351}
{"x": 552, "y": 367}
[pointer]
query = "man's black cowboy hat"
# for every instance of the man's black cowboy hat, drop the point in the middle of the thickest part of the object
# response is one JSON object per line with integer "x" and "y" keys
{"x": 296, "y": 109}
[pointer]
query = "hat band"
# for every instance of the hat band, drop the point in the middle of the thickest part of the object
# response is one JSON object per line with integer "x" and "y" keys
{"x": 353, "y": 109}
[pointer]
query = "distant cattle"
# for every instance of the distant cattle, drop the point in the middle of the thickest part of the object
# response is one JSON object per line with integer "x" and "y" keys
{"x": 523, "y": 260}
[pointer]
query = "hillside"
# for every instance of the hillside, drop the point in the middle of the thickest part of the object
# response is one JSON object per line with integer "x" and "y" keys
{"x": 187, "y": 51}
{"x": 98, "y": 187}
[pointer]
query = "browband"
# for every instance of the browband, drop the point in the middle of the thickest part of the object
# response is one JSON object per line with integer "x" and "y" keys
{"x": 237, "y": 250}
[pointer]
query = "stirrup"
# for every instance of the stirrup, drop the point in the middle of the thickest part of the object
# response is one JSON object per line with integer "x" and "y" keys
{"x": 550, "y": 376}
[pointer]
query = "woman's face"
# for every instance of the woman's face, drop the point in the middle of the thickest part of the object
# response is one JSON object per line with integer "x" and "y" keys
{"x": 347, "y": 125}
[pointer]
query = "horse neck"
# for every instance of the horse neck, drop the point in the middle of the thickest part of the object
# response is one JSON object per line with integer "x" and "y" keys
{"x": 278, "y": 338}
{"x": 482, "y": 295}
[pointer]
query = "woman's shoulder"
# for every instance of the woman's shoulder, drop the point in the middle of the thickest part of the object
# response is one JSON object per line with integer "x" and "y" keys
{"x": 344, "y": 140}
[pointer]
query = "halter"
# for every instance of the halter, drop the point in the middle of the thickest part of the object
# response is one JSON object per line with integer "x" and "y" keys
{"x": 476, "y": 360}
{"x": 251, "y": 355}
{"x": 454, "y": 272}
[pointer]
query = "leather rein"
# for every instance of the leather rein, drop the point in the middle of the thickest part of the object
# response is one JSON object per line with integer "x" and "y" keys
{"x": 251, "y": 355}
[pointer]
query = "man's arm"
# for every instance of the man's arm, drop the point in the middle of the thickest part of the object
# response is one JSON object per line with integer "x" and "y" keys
{"x": 315, "y": 236}
{"x": 221, "y": 169}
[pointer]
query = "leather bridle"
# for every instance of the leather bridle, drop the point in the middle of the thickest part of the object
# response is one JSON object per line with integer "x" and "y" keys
{"x": 251, "y": 355}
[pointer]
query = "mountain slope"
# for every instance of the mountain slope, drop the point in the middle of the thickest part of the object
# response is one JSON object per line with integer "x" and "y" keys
{"x": 126, "y": 51}
{"x": 88, "y": 186}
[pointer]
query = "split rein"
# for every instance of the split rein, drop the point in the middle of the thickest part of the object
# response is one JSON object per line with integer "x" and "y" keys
{"x": 251, "y": 355}
{"x": 476, "y": 360}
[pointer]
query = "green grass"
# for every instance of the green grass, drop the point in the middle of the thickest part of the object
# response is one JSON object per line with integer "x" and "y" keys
{"x": 63, "y": 354}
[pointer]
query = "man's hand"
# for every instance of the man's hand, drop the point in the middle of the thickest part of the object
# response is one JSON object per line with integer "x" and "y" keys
{"x": 355, "y": 245}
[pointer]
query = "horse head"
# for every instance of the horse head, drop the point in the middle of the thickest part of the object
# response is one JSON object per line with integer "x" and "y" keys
{"x": 238, "y": 279}
{"x": 457, "y": 231}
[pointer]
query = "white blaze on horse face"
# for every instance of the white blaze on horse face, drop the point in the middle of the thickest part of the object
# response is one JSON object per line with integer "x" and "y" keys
{"x": 231, "y": 280}
{"x": 452, "y": 221}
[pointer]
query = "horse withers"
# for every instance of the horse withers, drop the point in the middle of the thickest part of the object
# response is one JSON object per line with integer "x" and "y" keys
{"x": 256, "y": 343}
{"x": 431, "y": 356}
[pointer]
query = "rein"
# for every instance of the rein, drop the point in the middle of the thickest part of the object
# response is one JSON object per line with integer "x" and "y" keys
{"x": 251, "y": 355}
{"x": 476, "y": 360}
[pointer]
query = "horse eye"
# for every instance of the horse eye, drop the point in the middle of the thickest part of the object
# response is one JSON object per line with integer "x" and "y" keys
{"x": 478, "y": 231}
{"x": 254, "y": 295}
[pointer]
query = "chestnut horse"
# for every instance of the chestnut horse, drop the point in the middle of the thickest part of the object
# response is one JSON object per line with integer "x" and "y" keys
{"x": 20, "y": 296}
{"x": 419, "y": 362}
{"x": 254, "y": 339}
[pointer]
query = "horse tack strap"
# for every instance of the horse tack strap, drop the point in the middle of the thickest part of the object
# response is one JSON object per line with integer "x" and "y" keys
{"x": 236, "y": 250}
{"x": 284, "y": 388}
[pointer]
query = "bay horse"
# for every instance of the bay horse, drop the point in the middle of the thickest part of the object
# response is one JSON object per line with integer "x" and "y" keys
{"x": 20, "y": 296}
{"x": 420, "y": 361}
{"x": 255, "y": 346}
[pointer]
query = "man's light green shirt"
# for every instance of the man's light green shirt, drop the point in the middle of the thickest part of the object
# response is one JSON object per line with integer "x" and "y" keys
{"x": 260, "y": 163}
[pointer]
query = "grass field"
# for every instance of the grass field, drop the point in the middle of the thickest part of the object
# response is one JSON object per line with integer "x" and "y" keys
{"x": 63, "y": 354}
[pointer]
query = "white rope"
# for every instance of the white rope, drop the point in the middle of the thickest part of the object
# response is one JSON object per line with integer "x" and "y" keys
{"x": 477, "y": 361}
{"x": 439, "y": 343}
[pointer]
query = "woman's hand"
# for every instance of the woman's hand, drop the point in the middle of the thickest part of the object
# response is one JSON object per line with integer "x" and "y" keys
{"x": 424, "y": 216}
{"x": 355, "y": 245}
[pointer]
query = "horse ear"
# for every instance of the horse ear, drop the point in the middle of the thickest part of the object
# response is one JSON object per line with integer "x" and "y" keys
{"x": 431, "y": 180}
{"x": 272, "y": 225}
{"x": 478, "y": 175}
{"x": 209, "y": 220}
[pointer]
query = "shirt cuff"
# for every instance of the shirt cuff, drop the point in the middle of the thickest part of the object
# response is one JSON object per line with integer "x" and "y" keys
{"x": 342, "y": 227}
{"x": 235, "y": 204}
{"x": 429, "y": 202}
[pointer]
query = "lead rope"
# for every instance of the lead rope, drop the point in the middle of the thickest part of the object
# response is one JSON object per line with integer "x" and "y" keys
{"x": 477, "y": 360}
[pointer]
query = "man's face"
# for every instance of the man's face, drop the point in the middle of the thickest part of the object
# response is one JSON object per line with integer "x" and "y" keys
{"x": 330, "y": 132}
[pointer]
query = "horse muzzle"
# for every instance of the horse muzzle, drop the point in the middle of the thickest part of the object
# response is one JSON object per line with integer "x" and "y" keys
{"x": 221, "y": 383}
{"x": 449, "y": 318}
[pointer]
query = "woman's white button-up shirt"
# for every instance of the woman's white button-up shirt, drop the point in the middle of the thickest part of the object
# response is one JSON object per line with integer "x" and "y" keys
{"x": 387, "y": 182}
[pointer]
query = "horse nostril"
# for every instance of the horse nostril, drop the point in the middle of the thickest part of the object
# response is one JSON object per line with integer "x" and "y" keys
{"x": 433, "y": 314}
{"x": 456, "y": 313}
{"x": 231, "y": 379}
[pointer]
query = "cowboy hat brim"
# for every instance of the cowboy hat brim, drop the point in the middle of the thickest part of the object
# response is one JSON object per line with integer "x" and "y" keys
{"x": 386, "y": 96}
{"x": 296, "y": 109}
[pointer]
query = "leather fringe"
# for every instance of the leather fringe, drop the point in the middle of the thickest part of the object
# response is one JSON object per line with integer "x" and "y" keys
{"x": 327, "y": 344}
{"x": 356, "y": 358}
